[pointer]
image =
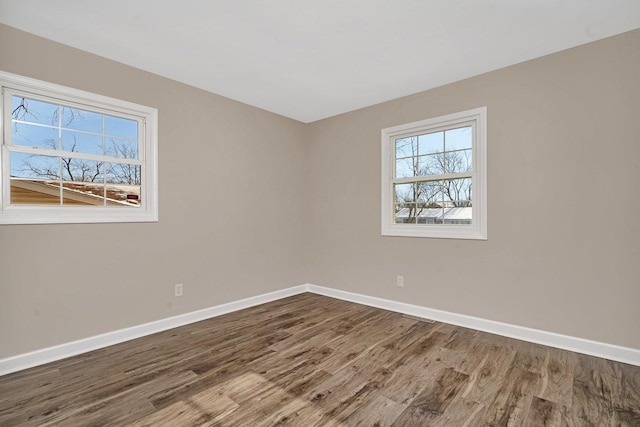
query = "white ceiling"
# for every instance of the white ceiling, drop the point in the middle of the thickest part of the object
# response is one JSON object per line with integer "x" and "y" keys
{"x": 309, "y": 60}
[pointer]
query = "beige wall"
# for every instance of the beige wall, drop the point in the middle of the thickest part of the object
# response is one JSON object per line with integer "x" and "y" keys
{"x": 230, "y": 226}
{"x": 251, "y": 202}
{"x": 563, "y": 252}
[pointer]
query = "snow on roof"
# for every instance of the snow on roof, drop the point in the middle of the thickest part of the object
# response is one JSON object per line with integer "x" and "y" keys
{"x": 455, "y": 213}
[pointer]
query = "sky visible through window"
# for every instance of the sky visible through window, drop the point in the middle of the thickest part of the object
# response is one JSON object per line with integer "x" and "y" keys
{"x": 49, "y": 126}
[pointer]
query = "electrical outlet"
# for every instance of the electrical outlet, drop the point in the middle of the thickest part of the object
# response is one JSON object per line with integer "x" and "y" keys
{"x": 400, "y": 281}
{"x": 177, "y": 290}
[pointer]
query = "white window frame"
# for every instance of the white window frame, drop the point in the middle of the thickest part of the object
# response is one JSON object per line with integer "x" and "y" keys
{"x": 147, "y": 117}
{"x": 477, "y": 230}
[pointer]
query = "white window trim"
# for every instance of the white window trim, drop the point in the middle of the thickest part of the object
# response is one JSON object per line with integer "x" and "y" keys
{"x": 478, "y": 229}
{"x": 34, "y": 214}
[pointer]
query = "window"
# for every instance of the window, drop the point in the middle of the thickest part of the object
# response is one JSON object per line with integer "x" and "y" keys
{"x": 434, "y": 177}
{"x": 72, "y": 156}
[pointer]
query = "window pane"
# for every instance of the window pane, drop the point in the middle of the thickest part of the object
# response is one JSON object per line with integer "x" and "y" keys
{"x": 124, "y": 183}
{"x": 431, "y": 143}
{"x": 117, "y": 126}
{"x": 74, "y": 118}
{"x": 458, "y": 216}
{"x": 34, "y": 179}
{"x": 33, "y": 111}
{"x": 81, "y": 170}
{"x": 429, "y": 194}
{"x": 122, "y": 148}
{"x": 458, "y": 210}
{"x": 31, "y": 166}
{"x": 458, "y": 139}
{"x": 405, "y": 167}
{"x": 406, "y": 147}
{"x": 404, "y": 193}
{"x": 79, "y": 142}
{"x": 122, "y": 173}
{"x": 405, "y": 213}
{"x": 457, "y": 192}
{"x": 432, "y": 164}
{"x": 458, "y": 161}
{"x": 34, "y": 136}
{"x": 418, "y": 203}
{"x": 82, "y": 182}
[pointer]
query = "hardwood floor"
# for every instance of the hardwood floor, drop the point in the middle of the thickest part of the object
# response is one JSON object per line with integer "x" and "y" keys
{"x": 310, "y": 360}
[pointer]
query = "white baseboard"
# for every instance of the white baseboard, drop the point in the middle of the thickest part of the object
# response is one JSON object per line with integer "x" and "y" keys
{"x": 62, "y": 351}
{"x": 551, "y": 339}
{"x": 50, "y": 354}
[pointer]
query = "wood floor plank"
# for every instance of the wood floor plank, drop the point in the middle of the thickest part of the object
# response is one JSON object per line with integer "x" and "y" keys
{"x": 487, "y": 379}
{"x": 205, "y": 407}
{"x": 531, "y": 357}
{"x": 261, "y": 401}
{"x": 310, "y": 360}
{"x": 463, "y": 360}
{"x": 626, "y": 393}
{"x": 297, "y": 413}
{"x": 408, "y": 375}
{"x": 379, "y": 411}
{"x": 21, "y": 391}
{"x": 512, "y": 404}
{"x": 222, "y": 370}
{"x": 557, "y": 377}
{"x": 295, "y": 376}
{"x": 461, "y": 412}
{"x": 592, "y": 403}
{"x": 544, "y": 413}
{"x": 433, "y": 401}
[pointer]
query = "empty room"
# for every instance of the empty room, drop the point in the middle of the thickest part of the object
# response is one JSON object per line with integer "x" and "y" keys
{"x": 355, "y": 213}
